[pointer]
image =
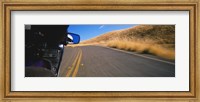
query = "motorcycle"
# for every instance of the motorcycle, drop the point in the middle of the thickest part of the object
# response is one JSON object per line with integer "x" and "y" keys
{"x": 44, "y": 47}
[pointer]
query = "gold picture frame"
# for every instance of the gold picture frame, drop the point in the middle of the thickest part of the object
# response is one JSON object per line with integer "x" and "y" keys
{"x": 85, "y": 5}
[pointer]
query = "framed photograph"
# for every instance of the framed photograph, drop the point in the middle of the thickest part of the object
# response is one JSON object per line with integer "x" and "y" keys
{"x": 100, "y": 49}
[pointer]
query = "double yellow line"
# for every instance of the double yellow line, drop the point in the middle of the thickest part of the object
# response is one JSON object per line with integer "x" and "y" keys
{"x": 75, "y": 65}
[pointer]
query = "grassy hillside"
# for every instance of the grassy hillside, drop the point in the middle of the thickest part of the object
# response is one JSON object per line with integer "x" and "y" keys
{"x": 154, "y": 39}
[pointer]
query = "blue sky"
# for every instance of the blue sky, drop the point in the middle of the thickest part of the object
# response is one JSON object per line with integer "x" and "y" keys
{"x": 89, "y": 31}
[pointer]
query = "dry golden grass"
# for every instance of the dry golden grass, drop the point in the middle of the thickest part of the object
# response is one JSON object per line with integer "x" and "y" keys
{"x": 142, "y": 46}
{"x": 152, "y": 39}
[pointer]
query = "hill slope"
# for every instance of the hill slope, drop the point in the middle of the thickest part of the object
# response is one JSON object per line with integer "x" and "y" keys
{"x": 155, "y": 39}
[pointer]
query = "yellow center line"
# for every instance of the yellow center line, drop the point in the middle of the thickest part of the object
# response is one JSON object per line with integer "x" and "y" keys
{"x": 73, "y": 65}
{"x": 77, "y": 65}
{"x": 67, "y": 63}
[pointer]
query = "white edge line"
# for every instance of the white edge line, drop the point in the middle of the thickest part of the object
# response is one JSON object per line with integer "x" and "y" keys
{"x": 139, "y": 55}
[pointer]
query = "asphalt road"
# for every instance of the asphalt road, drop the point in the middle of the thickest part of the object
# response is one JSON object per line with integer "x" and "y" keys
{"x": 97, "y": 61}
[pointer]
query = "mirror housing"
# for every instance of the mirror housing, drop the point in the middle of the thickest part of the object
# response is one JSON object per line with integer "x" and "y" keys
{"x": 73, "y": 38}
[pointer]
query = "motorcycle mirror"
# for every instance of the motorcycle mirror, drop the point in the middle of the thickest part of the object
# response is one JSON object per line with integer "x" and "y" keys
{"x": 73, "y": 38}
